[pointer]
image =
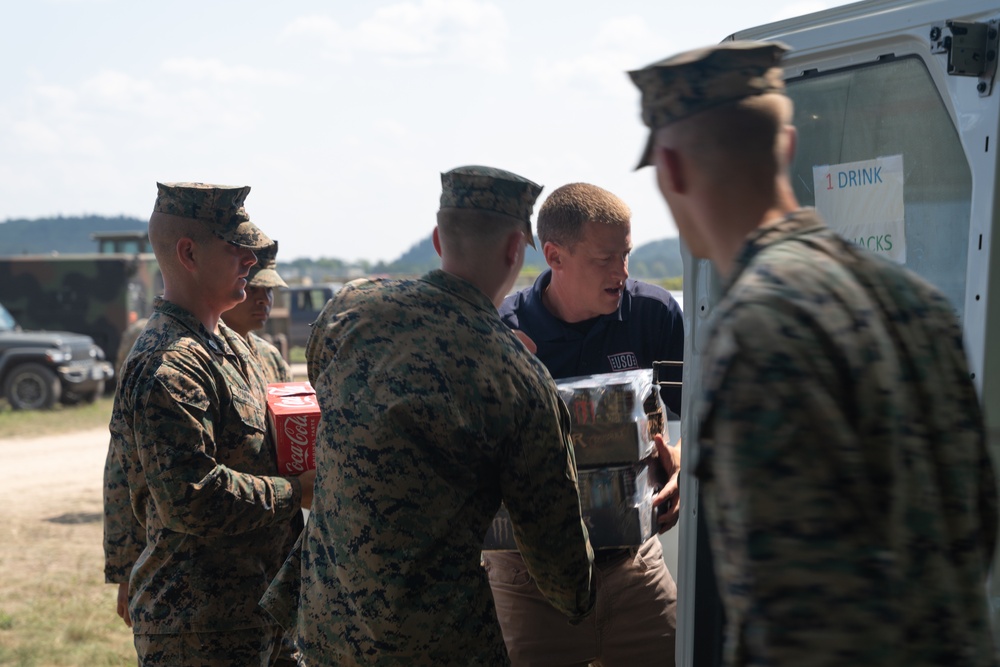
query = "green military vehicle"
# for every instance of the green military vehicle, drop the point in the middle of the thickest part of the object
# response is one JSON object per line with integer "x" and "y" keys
{"x": 98, "y": 295}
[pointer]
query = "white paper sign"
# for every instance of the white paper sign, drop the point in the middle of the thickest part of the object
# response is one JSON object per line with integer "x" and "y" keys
{"x": 863, "y": 202}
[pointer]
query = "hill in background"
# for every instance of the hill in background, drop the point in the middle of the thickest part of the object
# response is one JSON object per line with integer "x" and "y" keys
{"x": 70, "y": 235}
{"x": 61, "y": 235}
{"x": 652, "y": 261}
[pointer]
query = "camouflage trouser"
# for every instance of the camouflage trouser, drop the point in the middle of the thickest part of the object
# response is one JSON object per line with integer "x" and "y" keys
{"x": 257, "y": 647}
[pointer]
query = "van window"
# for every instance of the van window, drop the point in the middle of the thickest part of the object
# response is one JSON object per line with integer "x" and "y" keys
{"x": 309, "y": 302}
{"x": 884, "y": 109}
{"x": 7, "y": 322}
{"x": 303, "y": 300}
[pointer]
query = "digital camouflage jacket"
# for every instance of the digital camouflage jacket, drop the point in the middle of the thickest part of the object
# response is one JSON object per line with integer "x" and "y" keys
{"x": 196, "y": 518}
{"x": 433, "y": 413}
{"x": 851, "y": 502}
{"x": 274, "y": 366}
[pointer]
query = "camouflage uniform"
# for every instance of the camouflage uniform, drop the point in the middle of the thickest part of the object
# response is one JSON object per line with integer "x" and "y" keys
{"x": 246, "y": 648}
{"x": 188, "y": 429}
{"x": 127, "y": 341}
{"x": 196, "y": 518}
{"x": 851, "y": 501}
{"x": 264, "y": 274}
{"x": 273, "y": 365}
{"x": 125, "y": 537}
{"x": 433, "y": 413}
{"x": 425, "y": 431}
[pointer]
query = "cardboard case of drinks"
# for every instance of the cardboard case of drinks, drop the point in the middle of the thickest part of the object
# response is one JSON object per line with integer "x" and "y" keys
{"x": 614, "y": 415}
{"x": 293, "y": 417}
{"x": 614, "y": 418}
{"x": 617, "y": 505}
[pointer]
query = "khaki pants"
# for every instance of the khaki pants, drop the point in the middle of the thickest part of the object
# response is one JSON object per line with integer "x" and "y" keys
{"x": 633, "y": 624}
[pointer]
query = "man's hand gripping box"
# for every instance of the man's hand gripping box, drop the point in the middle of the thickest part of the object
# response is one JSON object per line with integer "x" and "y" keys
{"x": 293, "y": 417}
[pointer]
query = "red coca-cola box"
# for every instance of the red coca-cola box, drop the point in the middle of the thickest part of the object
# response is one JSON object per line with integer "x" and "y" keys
{"x": 293, "y": 416}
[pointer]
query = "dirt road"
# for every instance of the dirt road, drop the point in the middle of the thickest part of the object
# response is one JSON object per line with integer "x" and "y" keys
{"x": 54, "y": 606}
{"x": 51, "y": 476}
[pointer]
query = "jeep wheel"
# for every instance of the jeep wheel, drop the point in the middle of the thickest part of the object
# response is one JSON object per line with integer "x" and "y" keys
{"x": 92, "y": 396}
{"x": 32, "y": 387}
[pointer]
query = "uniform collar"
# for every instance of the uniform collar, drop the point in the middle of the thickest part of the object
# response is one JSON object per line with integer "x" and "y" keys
{"x": 219, "y": 344}
{"x": 461, "y": 288}
{"x": 796, "y": 224}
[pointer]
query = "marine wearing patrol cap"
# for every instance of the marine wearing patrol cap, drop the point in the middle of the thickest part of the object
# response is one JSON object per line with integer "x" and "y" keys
{"x": 490, "y": 189}
{"x": 695, "y": 81}
{"x": 219, "y": 207}
{"x": 265, "y": 272}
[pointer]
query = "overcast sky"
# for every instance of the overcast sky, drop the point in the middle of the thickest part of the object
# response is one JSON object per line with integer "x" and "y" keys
{"x": 340, "y": 115}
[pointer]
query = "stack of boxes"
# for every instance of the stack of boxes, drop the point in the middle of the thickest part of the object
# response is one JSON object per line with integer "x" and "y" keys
{"x": 614, "y": 419}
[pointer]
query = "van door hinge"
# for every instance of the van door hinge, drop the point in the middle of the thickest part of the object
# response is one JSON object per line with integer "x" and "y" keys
{"x": 971, "y": 50}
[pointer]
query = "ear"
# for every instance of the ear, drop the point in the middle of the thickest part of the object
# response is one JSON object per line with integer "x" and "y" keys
{"x": 670, "y": 169}
{"x": 514, "y": 247}
{"x": 186, "y": 249}
{"x": 436, "y": 241}
{"x": 553, "y": 254}
{"x": 791, "y": 143}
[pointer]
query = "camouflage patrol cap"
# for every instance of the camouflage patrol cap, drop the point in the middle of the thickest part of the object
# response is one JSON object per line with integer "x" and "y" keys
{"x": 265, "y": 272}
{"x": 694, "y": 81}
{"x": 490, "y": 189}
{"x": 219, "y": 207}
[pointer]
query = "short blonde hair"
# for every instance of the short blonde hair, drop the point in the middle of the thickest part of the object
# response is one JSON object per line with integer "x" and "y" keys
{"x": 569, "y": 208}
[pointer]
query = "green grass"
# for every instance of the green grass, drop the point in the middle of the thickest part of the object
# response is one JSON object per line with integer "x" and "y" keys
{"x": 70, "y": 626}
{"x": 60, "y": 419}
{"x": 59, "y": 612}
{"x": 672, "y": 284}
{"x": 297, "y": 355}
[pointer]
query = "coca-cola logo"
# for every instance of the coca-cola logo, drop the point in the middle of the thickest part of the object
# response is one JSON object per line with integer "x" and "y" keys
{"x": 297, "y": 431}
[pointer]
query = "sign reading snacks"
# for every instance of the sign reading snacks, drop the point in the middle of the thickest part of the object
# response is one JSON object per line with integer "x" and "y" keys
{"x": 863, "y": 202}
{"x": 614, "y": 419}
{"x": 293, "y": 417}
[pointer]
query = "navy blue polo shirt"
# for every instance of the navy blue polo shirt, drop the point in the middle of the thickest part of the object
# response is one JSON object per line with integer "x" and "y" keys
{"x": 648, "y": 326}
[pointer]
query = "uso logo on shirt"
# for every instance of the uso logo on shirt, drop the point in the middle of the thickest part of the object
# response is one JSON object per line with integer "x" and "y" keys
{"x": 623, "y": 361}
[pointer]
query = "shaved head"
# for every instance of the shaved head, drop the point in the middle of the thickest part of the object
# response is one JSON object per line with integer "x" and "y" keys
{"x": 741, "y": 140}
{"x": 466, "y": 231}
{"x": 166, "y": 230}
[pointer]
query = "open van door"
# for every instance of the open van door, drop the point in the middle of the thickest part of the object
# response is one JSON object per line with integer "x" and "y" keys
{"x": 898, "y": 121}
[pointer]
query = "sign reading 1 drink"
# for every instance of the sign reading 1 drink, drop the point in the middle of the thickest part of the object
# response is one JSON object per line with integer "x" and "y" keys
{"x": 863, "y": 202}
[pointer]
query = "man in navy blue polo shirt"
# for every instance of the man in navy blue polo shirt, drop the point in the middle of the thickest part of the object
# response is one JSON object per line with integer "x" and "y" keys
{"x": 586, "y": 317}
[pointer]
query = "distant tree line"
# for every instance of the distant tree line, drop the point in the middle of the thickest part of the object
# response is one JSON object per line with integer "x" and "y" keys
{"x": 657, "y": 261}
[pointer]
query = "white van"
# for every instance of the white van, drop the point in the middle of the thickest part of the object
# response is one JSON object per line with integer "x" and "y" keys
{"x": 899, "y": 128}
